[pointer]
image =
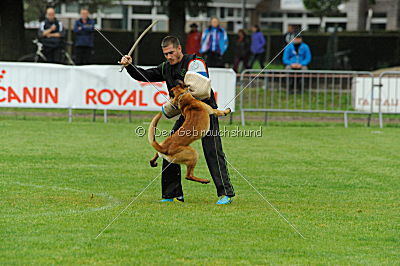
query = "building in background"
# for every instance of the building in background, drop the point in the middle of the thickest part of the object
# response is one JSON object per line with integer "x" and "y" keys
{"x": 276, "y": 15}
{"x": 126, "y": 15}
{"x": 355, "y": 15}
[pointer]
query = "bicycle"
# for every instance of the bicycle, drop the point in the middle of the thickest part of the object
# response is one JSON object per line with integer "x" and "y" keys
{"x": 38, "y": 56}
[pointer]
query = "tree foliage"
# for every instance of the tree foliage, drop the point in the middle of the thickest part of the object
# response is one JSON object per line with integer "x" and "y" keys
{"x": 322, "y": 8}
{"x": 176, "y": 11}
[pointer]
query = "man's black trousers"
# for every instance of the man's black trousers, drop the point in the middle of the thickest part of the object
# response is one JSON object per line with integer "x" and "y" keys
{"x": 215, "y": 158}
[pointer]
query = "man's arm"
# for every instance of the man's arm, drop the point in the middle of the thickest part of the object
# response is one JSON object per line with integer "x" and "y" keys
{"x": 152, "y": 75}
{"x": 60, "y": 32}
{"x": 43, "y": 32}
{"x": 77, "y": 27}
{"x": 286, "y": 57}
{"x": 203, "y": 44}
{"x": 225, "y": 42}
{"x": 307, "y": 56}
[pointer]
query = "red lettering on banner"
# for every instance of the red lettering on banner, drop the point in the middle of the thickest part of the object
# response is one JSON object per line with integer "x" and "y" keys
{"x": 40, "y": 94}
{"x": 3, "y": 99}
{"x": 141, "y": 103}
{"x": 131, "y": 98}
{"x": 156, "y": 96}
{"x": 12, "y": 95}
{"x": 119, "y": 96}
{"x": 26, "y": 93}
{"x": 106, "y": 97}
{"x": 90, "y": 95}
{"x": 102, "y": 92}
{"x": 48, "y": 95}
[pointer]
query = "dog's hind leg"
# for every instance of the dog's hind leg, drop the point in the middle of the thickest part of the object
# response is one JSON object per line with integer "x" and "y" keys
{"x": 190, "y": 161}
{"x": 153, "y": 162}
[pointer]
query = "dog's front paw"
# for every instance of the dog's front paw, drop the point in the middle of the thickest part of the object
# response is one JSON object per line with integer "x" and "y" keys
{"x": 153, "y": 164}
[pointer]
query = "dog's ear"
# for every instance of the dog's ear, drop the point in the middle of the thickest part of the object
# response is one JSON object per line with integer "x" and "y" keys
{"x": 180, "y": 83}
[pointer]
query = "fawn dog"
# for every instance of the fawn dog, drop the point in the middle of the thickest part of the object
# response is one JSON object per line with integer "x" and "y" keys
{"x": 175, "y": 148}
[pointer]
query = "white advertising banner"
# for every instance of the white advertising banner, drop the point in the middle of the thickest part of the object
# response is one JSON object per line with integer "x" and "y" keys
{"x": 292, "y": 5}
{"x": 93, "y": 87}
{"x": 390, "y": 100}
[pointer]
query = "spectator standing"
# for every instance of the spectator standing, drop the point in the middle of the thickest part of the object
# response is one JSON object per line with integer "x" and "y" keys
{"x": 241, "y": 50}
{"x": 257, "y": 46}
{"x": 193, "y": 40}
{"x": 214, "y": 43}
{"x": 290, "y": 34}
{"x": 51, "y": 33}
{"x": 84, "y": 31}
{"x": 297, "y": 55}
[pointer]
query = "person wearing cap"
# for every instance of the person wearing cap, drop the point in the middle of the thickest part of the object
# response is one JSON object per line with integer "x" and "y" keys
{"x": 297, "y": 55}
{"x": 193, "y": 40}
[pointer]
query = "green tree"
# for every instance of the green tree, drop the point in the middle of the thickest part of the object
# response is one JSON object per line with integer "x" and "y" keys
{"x": 176, "y": 10}
{"x": 323, "y": 8}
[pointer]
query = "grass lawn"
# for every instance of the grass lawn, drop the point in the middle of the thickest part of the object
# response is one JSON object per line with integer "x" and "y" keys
{"x": 62, "y": 183}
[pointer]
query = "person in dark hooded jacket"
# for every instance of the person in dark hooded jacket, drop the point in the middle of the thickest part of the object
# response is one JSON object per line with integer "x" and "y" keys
{"x": 242, "y": 50}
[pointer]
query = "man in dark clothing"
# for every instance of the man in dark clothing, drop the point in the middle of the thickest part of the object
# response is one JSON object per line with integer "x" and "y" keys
{"x": 84, "y": 28}
{"x": 51, "y": 32}
{"x": 174, "y": 69}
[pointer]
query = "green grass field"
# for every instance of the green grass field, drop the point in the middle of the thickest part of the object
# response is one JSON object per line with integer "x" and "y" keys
{"x": 62, "y": 183}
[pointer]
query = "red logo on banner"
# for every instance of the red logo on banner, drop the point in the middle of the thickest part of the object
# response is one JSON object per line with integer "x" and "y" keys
{"x": 29, "y": 95}
{"x": 3, "y": 72}
{"x": 106, "y": 97}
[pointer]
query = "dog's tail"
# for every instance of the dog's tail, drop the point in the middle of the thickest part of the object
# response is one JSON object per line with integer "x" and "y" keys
{"x": 152, "y": 136}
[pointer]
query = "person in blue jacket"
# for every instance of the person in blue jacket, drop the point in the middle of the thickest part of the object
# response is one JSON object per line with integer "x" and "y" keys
{"x": 84, "y": 31}
{"x": 257, "y": 47}
{"x": 297, "y": 55}
{"x": 214, "y": 42}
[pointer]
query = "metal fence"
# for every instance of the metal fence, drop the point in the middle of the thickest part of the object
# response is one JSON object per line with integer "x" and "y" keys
{"x": 292, "y": 91}
{"x": 388, "y": 99}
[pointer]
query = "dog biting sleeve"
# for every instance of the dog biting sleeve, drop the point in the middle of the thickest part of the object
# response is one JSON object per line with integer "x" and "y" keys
{"x": 169, "y": 110}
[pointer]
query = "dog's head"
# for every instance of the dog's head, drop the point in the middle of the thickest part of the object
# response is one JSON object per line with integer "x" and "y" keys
{"x": 177, "y": 91}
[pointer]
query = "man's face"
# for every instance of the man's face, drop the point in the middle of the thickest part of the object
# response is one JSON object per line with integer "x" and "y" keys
{"x": 173, "y": 54}
{"x": 84, "y": 14}
{"x": 50, "y": 14}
